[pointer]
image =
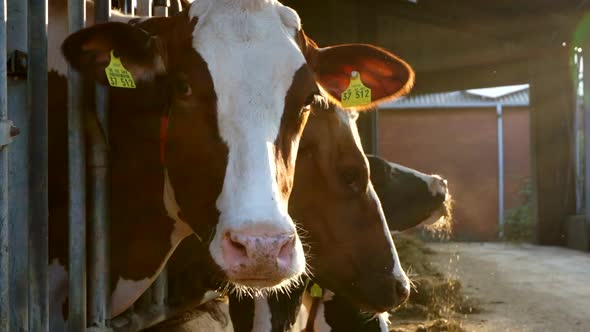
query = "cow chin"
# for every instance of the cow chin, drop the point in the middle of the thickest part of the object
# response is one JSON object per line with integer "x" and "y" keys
{"x": 372, "y": 294}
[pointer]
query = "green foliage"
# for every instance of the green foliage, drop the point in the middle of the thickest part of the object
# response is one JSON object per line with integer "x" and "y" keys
{"x": 518, "y": 222}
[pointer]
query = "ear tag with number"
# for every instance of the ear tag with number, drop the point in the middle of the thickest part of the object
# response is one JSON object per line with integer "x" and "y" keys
{"x": 316, "y": 290}
{"x": 118, "y": 75}
{"x": 357, "y": 93}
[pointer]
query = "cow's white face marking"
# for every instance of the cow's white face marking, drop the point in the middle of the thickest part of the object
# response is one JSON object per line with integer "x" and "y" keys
{"x": 252, "y": 56}
{"x": 349, "y": 119}
{"x": 433, "y": 182}
{"x": 262, "y": 315}
{"x": 398, "y": 272}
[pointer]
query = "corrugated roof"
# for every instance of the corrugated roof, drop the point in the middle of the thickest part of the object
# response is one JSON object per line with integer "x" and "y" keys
{"x": 458, "y": 99}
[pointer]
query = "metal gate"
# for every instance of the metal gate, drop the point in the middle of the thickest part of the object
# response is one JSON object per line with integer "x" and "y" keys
{"x": 24, "y": 302}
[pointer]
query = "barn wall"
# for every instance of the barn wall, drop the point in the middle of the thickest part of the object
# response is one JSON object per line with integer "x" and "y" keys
{"x": 461, "y": 145}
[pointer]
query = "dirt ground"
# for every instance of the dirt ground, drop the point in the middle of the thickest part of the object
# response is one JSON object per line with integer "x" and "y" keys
{"x": 519, "y": 287}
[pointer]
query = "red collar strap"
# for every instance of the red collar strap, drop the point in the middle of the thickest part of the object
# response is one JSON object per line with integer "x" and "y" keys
{"x": 163, "y": 134}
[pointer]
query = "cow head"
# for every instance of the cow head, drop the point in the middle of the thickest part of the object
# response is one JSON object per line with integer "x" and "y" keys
{"x": 409, "y": 197}
{"x": 236, "y": 79}
{"x": 352, "y": 252}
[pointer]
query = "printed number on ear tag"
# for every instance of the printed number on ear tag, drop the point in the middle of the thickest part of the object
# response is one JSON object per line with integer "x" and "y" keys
{"x": 357, "y": 93}
{"x": 118, "y": 75}
{"x": 316, "y": 290}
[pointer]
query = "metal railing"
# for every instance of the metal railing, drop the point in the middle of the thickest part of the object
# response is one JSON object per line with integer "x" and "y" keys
{"x": 24, "y": 289}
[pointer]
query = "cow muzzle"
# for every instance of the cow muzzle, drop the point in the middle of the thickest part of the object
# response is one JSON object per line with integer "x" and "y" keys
{"x": 261, "y": 257}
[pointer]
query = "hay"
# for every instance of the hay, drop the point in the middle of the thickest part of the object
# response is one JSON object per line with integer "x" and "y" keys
{"x": 434, "y": 296}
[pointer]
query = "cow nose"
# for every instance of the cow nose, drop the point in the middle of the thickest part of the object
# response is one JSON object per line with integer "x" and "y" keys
{"x": 402, "y": 291}
{"x": 245, "y": 246}
{"x": 438, "y": 186}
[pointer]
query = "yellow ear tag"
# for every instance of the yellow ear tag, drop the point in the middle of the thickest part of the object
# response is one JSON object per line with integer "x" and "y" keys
{"x": 118, "y": 75}
{"x": 357, "y": 93}
{"x": 316, "y": 290}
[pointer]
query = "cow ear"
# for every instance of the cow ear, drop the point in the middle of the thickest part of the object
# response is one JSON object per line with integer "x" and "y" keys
{"x": 386, "y": 75}
{"x": 92, "y": 49}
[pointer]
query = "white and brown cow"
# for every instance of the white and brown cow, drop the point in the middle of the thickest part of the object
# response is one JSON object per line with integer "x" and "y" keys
{"x": 331, "y": 213}
{"x": 224, "y": 88}
{"x": 411, "y": 198}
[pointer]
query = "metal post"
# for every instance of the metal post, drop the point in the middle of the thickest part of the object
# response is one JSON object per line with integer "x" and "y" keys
{"x": 99, "y": 216}
{"x": 586, "y": 78}
{"x": 144, "y": 8}
{"x": 37, "y": 103}
{"x": 77, "y": 184}
{"x": 159, "y": 290}
{"x": 4, "y": 220}
{"x": 18, "y": 169}
{"x": 161, "y": 7}
{"x": 500, "y": 171}
{"x": 126, "y": 6}
{"x": 175, "y": 7}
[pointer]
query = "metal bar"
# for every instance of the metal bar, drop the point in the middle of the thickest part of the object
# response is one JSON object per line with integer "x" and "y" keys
{"x": 37, "y": 103}
{"x": 586, "y": 75}
{"x": 175, "y": 7}
{"x": 161, "y": 7}
{"x": 159, "y": 290}
{"x": 126, "y": 6}
{"x": 99, "y": 216}
{"x": 77, "y": 184}
{"x": 144, "y": 8}
{"x": 500, "y": 171}
{"x": 4, "y": 218}
{"x": 18, "y": 174}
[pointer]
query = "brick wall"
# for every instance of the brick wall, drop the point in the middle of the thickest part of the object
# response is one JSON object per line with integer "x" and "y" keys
{"x": 461, "y": 145}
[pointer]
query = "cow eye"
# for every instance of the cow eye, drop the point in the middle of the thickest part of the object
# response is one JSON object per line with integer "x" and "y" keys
{"x": 183, "y": 88}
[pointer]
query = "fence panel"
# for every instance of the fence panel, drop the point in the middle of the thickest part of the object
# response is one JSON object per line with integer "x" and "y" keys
{"x": 19, "y": 164}
{"x": 77, "y": 185}
{"x": 4, "y": 221}
{"x": 37, "y": 103}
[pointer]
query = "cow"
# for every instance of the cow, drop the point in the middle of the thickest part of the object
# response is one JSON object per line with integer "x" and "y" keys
{"x": 338, "y": 214}
{"x": 329, "y": 149}
{"x": 206, "y": 142}
{"x": 425, "y": 198}
{"x": 411, "y": 198}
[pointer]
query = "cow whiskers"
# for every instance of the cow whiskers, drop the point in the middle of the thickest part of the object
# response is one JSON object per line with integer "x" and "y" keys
{"x": 410, "y": 274}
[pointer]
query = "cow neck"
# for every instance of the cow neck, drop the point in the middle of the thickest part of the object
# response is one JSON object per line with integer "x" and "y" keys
{"x": 164, "y": 119}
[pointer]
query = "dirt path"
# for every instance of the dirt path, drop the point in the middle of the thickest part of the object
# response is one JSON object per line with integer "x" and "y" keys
{"x": 521, "y": 287}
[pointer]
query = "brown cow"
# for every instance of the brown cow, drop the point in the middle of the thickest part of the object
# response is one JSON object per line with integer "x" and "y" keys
{"x": 225, "y": 87}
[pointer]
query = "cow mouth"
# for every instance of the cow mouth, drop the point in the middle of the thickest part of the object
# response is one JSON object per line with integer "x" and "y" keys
{"x": 440, "y": 221}
{"x": 255, "y": 287}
